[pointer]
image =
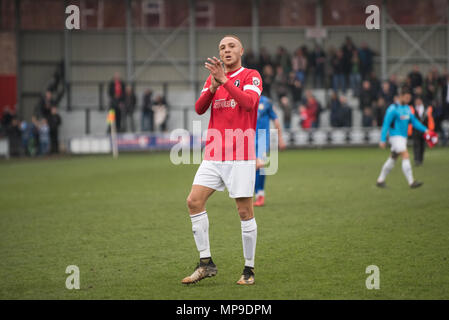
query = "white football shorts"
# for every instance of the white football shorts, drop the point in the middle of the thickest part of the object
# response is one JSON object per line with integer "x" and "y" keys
{"x": 398, "y": 144}
{"x": 237, "y": 176}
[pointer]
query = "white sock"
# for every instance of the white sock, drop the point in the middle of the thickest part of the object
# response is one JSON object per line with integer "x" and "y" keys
{"x": 260, "y": 193}
{"x": 407, "y": 169}
{"x": 200, "y": 228}
{"x": 249, "y": 239}
{"x": 387, "y": 167}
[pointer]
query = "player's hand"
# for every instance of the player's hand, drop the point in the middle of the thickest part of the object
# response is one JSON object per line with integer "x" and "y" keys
{"x": 216, "y": 70}
{"x": 382, "y": 145}
{"x": 282, "y": 144}
{"x": 259, "y": 163}
{"x": 214, "y": 85}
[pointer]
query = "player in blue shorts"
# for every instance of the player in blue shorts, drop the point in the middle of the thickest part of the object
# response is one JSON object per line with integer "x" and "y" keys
{"x": 396, "y": 122}
{"x": 265, "y": 113}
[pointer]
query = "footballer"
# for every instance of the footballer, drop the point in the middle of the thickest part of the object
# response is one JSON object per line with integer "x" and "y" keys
{"x": 396, "y": 122}
{"x": 232, "y": 93}
{"x": 265, "y": 113}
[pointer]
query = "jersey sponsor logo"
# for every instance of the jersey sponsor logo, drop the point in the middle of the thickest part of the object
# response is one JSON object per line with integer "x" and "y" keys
{"x": 222, "y": 103}
{"x": 256, "y": 81}
{"x": 237, "y": 83}
{"x": 404, "y": 117}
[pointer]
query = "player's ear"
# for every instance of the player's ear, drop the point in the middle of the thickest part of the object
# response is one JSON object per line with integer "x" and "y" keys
{"x": 241, "y": 51}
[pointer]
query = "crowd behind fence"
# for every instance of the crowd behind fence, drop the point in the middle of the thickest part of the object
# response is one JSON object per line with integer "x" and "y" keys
{"x": 290, "y": 79}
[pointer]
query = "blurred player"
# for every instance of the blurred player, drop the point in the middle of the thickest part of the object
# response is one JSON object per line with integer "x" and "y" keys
{"x": 264, "y": 115}
{"x": 233, "y": 94}
{"x": 396, "y": 121}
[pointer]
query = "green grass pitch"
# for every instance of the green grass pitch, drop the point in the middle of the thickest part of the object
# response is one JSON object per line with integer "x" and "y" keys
{"x": 124, "y": 223}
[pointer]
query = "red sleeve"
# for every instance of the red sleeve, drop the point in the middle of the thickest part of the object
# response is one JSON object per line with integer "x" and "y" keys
{"x": 252, "y": 88}
{"x": 205, "y": 99}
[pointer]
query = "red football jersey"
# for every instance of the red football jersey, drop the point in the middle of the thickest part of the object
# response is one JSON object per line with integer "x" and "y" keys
{"x": 232, "y": 124}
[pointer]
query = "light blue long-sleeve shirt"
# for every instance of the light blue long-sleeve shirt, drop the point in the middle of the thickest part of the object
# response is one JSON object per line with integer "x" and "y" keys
{"x": 396, "y": 121}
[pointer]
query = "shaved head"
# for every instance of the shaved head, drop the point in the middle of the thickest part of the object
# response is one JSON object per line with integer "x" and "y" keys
{"x": 234, "y": 37}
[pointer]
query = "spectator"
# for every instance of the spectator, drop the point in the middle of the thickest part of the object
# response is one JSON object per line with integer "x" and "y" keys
{"x": 366, "y": 96}
{"x": 393, "y": 84}
{"x": 54, "y": 123}
{"x": 304, "y": 119}
{"x": 434, "y": 72}
{"x": 418, "y": 93}
{"x": 441, "y": 111}
{"x": 28, "y": 143}
{"x": 299, "y": 65}
{"x": 129, "y": 106}
{"x": 14, "y": 135}
{"x": 367, "y": 118}
{"x": 341, "y": 114}
{"x": 329, "y": 69}
{"x": 43, "y": 108}
{"x": 430, "y": 88}
{"x": 264, "y": 60}
{"x": 375, "y": 84}
{"x": 313, "y": 108}
{"x": 116, "y": 96}
{"x": 346, "y": 112}
{"x": 386, "y": 93}
{"x": 307, "y": 55}
{"x": 406, "y": 85}
{"x": 280, "y": 82}
{"x": 250, "y": 60}
{"x": 335, "y": 108}
{"x": 415, "y": 77}
{"x": 36, "y": 143}
{"x": 7, "y": 118}
{"x": 366, "y": 56}
{"x": 380, "y": 108}
{"x": 295, "y": 87}
{"x": 44, "y": 137}
{"x": 318, "y": 63}
{"x": 283, "y": 60}
{"x": 338, "y": 77}
{"x": 147, "y": 111}
{"x": 267, "y": 79}
{"x": 354, "y": 77}
{"x": 348, "y": 49}
{"x": 160, "y": 110}
{"x": 286, "y": 111}
{"x": 445, "y": 96}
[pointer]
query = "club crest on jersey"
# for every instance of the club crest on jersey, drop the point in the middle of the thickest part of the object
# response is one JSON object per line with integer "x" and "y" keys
{"x": 237, "y": 83}
{"x": 256, "y": 81}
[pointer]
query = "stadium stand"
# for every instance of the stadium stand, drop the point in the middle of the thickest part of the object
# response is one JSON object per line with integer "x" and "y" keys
{"x": 166, "y": 54}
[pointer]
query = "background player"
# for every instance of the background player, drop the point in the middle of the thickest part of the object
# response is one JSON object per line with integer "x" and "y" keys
{"x": 265, "y": 113}
{"x": 396, "y": 121}
{"x": 233, "y": 95}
